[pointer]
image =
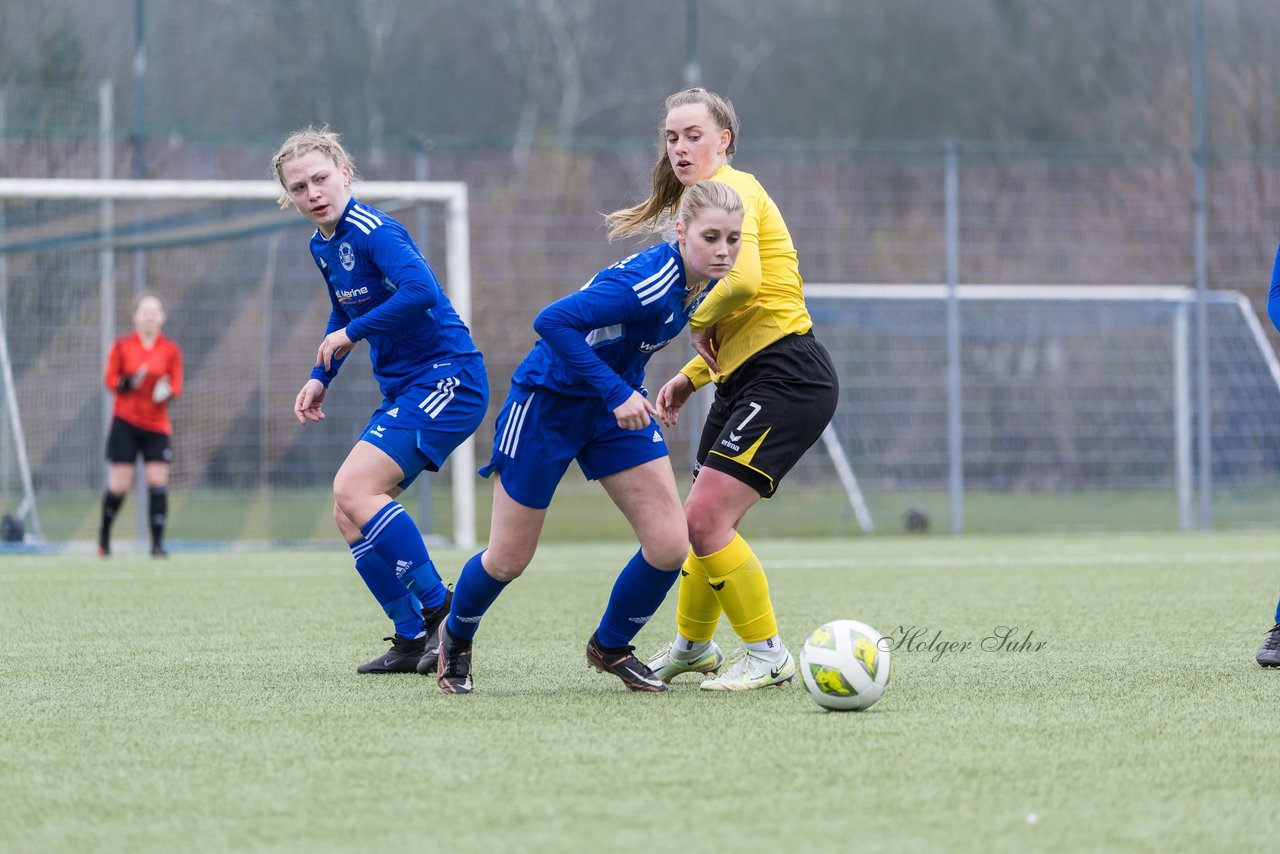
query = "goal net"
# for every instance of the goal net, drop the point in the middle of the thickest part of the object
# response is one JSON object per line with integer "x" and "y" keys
{"x": 245, "y": 303}
{"x": 1077, "y": 404}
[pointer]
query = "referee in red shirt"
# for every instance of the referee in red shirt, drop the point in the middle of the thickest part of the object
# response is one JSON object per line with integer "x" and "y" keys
{"x": 144, "y": 371}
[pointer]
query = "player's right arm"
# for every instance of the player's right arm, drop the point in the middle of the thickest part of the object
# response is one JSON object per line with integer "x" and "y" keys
{"x": 115, "y": 378}
{"x": 307, "y": 405}
{"x": 115, "y": 369}
{"x": 321, "y": 372}
{"x": 564, "y": 324}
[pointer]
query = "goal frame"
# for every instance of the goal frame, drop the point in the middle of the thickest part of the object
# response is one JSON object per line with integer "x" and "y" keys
{"x": 457, "y": 280}
{"x": 1182, "y": 300}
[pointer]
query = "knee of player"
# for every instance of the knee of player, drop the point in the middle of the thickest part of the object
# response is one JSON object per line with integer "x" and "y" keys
{"x": 667, "y": 553}
{"x": 345, "y": 495}
{"x": 349, "y": 529}
{"x": 506, "y": 564}
{"x": 705, "y": 529}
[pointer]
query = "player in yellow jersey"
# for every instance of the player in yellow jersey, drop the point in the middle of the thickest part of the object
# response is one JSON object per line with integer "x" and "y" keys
{"x": 776, "y": 391}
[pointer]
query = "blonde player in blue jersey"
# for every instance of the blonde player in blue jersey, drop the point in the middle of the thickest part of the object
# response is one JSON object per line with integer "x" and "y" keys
{"x": 432, "y": 377}
{"x": 578, "y": 396}
{"x": 775, "y": 392}
{"x": 1269, "y": 653}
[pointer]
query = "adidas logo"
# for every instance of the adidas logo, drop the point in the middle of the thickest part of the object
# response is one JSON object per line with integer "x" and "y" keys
{"x": 657, "y": 437}
{"x": 403, "y": 566}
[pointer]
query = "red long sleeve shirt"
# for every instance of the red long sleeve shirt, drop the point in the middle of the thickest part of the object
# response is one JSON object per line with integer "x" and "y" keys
{"x": 128, "y": 355}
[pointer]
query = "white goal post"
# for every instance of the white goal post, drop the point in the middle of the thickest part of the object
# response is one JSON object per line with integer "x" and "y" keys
{"x": 105, "y": 192}
{"x": 1148, "y": 382}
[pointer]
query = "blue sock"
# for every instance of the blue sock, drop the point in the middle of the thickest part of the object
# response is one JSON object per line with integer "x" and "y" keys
{"x": 1278, "y": 612}
{"x": 401, "y": 605}
{"x": 475, "y": 591}
{"x": 392, "y": 534}
{"x": 636, "y": 595}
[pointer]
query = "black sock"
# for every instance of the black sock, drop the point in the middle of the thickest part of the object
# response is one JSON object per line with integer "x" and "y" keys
{"x": 158, "y": 510}
{"x": 110, "y": 507}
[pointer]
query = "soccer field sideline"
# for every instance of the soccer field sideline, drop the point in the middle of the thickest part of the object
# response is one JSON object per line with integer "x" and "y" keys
{"x": 210, "y": 702}
{"x": 152, "y": 570}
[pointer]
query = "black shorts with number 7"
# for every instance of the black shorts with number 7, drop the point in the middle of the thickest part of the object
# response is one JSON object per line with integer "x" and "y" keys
{"x": 769, "y": 412}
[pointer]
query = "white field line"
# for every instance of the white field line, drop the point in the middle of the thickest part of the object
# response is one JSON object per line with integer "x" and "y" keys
{"x": 978, "y": 561}
{"x": 851, "y": 562}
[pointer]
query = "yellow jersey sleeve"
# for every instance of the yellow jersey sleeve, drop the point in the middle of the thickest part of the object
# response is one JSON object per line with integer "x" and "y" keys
{"x": 762, "y": 298}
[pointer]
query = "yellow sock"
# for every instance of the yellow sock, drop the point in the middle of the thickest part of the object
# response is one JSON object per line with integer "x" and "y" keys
{"x": 738, "y": 580}
{"x": 697, "y": 608}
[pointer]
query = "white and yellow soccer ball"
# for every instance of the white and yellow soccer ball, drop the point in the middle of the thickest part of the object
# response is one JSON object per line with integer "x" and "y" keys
{"x": 845, "y": 665}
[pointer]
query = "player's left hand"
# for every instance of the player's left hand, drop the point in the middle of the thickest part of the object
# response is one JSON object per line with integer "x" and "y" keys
{"x": 671, "y": 399}
{"x": 706, "y": 344}
{"x": 163, "y": 390}
{"x": 334, "y": 346}
{"x": 635, "y": 412}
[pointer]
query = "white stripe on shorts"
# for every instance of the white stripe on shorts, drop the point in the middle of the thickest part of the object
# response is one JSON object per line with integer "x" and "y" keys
{"x": 439, "y": 399}
{"x": 511, "y": 435}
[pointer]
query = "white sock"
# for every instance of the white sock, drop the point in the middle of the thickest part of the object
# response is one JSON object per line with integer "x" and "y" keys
{"x": 686, "y": 650}
{"x": 771, "y": 648}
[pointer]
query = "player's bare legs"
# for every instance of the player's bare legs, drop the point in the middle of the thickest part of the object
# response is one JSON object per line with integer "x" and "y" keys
{"x": 646, "y": 494}
{"x": 647, "y": 497}
{"x": 390, "y": 556}
{"x": 723, "y": 560}
{"x": 715, "y": 508}
{"x": 513, "y": 539}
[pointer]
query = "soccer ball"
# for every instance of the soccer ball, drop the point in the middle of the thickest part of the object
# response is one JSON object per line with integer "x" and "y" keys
{"x": 845, "y": 665}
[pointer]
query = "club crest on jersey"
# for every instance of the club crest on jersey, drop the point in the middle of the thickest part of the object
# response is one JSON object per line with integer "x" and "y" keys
{"x": 347, "y": 256}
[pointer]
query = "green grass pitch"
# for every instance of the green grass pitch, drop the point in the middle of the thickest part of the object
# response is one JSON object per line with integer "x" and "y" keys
{"x": 210, "y": 703}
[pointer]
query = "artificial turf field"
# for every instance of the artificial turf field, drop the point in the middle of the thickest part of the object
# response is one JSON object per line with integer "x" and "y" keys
{"x": 210, "y": 703}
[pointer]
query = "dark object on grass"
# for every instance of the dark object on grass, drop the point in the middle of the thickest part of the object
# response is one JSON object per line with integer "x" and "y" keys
{"x": 11, "y": 529}
{"x": 915, "y": 520}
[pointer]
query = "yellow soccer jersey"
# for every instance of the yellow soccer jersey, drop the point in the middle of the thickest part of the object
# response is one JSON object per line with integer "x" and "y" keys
{"x": 762, "y": 298}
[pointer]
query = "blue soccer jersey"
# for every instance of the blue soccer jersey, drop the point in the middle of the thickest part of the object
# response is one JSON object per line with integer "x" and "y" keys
{"x": 596, "y": 342}
{"x": 1273, "y": 295}
{"x": 382, "y": 291}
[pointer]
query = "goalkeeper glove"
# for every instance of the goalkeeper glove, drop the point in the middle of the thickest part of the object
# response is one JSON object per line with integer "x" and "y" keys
{"x": 133, "y": 380}
{"x": 163, "y": 390}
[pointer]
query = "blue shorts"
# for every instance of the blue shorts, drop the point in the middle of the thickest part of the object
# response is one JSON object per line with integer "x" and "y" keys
{"x": 421, "y": 427}
{"x": 540, "y": 432}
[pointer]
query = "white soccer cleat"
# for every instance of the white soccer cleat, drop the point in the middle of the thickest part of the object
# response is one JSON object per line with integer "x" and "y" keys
{"x": 749, "y": 669}
{"x": 666, "y": 666}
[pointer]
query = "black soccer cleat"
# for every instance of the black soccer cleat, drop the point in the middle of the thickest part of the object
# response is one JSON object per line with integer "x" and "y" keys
{"x": 431, "y": 624}
{"x": 633, "y": 672}
{"x": 403, "y": 657}
{"x": 1269, "y": 652}
{"x": 158, "y": 551}
{"x": 455, "y": 663}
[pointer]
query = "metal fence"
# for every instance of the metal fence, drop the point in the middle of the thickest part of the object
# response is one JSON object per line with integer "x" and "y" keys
{"x": 1033, "y": 216}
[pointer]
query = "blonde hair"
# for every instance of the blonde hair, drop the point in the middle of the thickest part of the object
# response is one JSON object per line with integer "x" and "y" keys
{"x": 703, "y": 196}
{"x": 667, "y": 189}
{"x": 303, "y": 142}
